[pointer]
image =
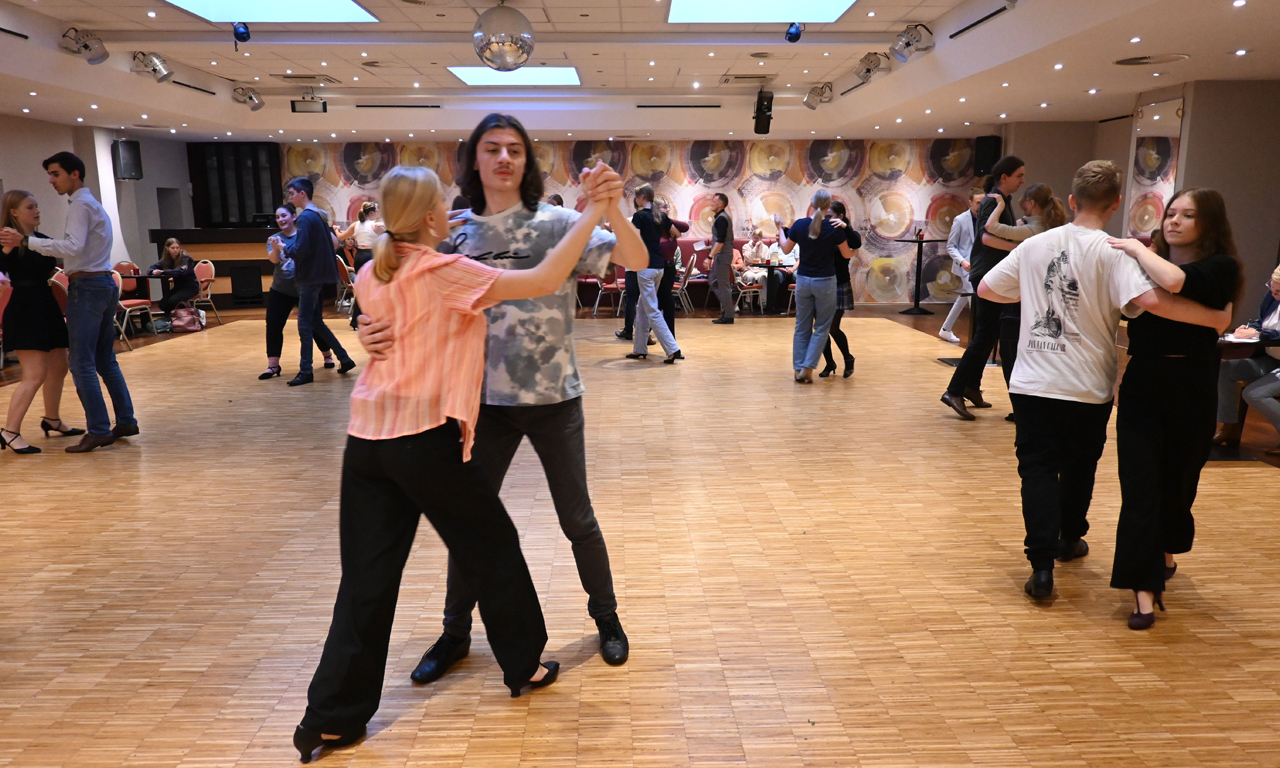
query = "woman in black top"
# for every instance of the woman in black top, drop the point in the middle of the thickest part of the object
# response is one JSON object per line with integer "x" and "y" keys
{"x": 822, "y": 240}
{"x": 1168, "y": 398}
{"x": 33, "y": 327}
{"x": 175, "y": 262}
{"x": 844, "y": 299}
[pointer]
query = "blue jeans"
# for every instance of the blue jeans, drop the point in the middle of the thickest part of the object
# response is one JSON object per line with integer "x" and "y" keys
{"x": 649, "y": 317}
{"x": 815, "y": 307}
{"x": 91, "y": 310}
{"x": 311, "y": 326}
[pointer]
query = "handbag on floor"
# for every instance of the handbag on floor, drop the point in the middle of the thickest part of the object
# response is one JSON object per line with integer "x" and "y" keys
{"x": 187, "y": 320}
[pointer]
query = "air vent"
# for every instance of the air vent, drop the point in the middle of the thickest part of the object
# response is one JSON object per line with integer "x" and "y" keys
{"x": 397, "y": 106}
{"x": 381, "y": 65}
{"x": 762, "y": 55}
{"x": 677, "y": 106}
{"x": 307, "y": 79}
{"x": 193, "y": 87}
{"x": 149, "y": 127}
{"x": 1146, "y": 61}
{"x": 746, "y": 79}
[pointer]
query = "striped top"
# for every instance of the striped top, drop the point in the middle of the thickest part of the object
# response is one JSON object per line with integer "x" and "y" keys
{"x": 435, "y": 369}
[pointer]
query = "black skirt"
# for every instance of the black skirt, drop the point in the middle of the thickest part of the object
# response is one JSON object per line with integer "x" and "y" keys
{"x": 32, "y": 319}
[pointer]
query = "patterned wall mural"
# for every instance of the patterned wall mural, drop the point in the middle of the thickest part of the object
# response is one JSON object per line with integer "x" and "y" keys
{"x": 1155, "y": 169}
{"x": 891, "y": 188}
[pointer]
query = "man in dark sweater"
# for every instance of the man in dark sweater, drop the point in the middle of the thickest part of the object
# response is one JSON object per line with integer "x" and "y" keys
{"x": 1006, "y": 178}
{"x": 316, "y": 265}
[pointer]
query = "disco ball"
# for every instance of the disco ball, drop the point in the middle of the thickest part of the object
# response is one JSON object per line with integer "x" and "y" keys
{"x": 503, "y": 38}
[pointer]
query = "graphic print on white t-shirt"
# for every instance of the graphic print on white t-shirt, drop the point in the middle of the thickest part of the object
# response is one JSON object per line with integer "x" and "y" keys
{"x": 1059, "y": 323}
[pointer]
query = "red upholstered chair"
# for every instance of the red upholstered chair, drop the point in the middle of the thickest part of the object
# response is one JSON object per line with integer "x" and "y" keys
{"x": 612, "y": 284}
{"x": 583, "y": 282}
{"x": 205, "y": 273}
{"x": 131, "y": 308}
{"x": 791, "y": 301}
{"x": 345, "y": 289}
{"x": 59, "y": 283}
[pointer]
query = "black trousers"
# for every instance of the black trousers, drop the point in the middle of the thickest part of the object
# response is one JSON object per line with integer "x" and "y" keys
{"x": 556, "y": 432}
{"x": 279, "y": 307}
{"x": 1058, "y": 444}
{"x": 175, "y": 297}
{"x": 986, "y": 331}
{"x": 1010, "y": 329}
{"x": 1164, "y": 430}
{"x": 778, "y": 298}
{"x": 363, "y": 256}
{"x": 631, "y": 295}
{"x": 387, "y": 485}
{"x": 667, "y": 299}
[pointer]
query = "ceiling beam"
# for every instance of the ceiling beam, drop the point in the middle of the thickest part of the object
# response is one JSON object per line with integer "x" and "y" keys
{"x": 144, "y": 39}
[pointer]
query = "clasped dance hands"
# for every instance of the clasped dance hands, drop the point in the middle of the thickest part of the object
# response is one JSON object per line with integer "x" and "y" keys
{"x": 10, "y": 238}
{"x": 601, "y": 184}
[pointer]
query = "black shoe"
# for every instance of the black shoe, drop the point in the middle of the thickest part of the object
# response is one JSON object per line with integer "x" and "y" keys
{"x": 637, "y": 355}
{"x": 1138, "y": 620}
{"x": 329, "y": 363}
{"x": 828, "y": 370}
{"x": 956, "y": 403}
{"x": 4, "y": 443}
{"x": 271, "y": 371}
{"x": 1067, "y": 553}
{"x": 89, "y": 442}
{"x": 301, "y": 378}
{"x": 848, "y": 366}
{"x": 447, "y": 651}
{"x": 673, "y": 357}
{"x": 305, "y": 740}
{"x": 128, "y": 430}
{"x": 1012, "y": 419}
{"x": 60, "y": 427}
{"x": 553, "y": 671}
{"x": 614, "y": 647}
{"x": 347, "y": 365}
{"x": 723, "y": 321}
{"x": 1040, "y": 584}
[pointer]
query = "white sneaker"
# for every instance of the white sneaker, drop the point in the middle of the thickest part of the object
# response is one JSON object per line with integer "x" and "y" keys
{"x": 946, "y": 335}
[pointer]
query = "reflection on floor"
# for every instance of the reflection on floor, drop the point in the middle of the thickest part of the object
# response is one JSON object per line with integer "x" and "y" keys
{"x": 810, "y": 575}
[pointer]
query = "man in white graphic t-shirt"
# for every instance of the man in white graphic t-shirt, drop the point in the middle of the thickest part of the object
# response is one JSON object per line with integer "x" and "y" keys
{"x": 1073, "y": 288}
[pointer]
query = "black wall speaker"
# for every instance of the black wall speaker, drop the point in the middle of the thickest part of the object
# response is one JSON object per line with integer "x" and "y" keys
{"x": 126, "y": 157}
{"x": 246, "y": 286}
{"x": 985, "y": 154}
{"x": 764, "y": 111}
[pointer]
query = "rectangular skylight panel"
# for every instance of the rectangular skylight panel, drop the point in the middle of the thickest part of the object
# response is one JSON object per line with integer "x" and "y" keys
{"x": 519, "y": 77}
{"x": 276, "y": 11}
{"x": 756, "y": 11}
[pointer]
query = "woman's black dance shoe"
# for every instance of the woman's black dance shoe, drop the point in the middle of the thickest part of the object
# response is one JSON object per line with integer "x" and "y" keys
{"x": 553, "y": 671}
{"x": 305, "y": 740}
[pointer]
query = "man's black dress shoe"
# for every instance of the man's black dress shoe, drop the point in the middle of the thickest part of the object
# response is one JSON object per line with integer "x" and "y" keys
{"x": 446, "y": 652}
{"x": 723, "y": 321}
{"x": 347, "y": 365}
{"x": 614, "y": 647}
{"x": 1069, "y": 552}
{"x": 1040, "y": 584}
{"x": 956, "y": 403}
{"x": 301, "y": 378}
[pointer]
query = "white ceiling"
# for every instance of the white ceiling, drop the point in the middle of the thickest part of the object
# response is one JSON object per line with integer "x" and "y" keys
{"x": 612, "y": 47}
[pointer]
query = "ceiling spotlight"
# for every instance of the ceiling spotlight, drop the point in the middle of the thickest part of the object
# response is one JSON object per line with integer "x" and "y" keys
{"x": 1057, "y": 66}
{"x": 84, "y": 43}
{"x": 818, "y": 94}
{"x": 1241, "y": 52}
{"x": 792, "y": 35}
{"x": 153, "y": 63}
{"x": 898, "y": 120}
{"x": 869, "y": 65}
{"x": 173, "y": 130}
{"x": 915, "y": 38}
{"x": 1238, "y": 3}
{"x": 1003, "y": 115}
{"x": 503, "y": 38}
{"x": 1093, "y": 90}
{"x": 696, "y": 84}
{"x": 249, "y": 96}
{"x": 1135, "y": 39}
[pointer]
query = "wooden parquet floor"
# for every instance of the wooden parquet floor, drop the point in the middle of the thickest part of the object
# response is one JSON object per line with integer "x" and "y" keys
{"x": 826, "y": 575}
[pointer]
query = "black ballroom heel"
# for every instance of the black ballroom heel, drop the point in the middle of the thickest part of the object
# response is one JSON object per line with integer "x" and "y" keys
{"x": 553, "y": 671}
{"x": 305, "y": 740}
{"x": 828, "y": 370}
{"x": 49, "y": 426}
{"x": 640, "y": 356}
{"x": 5, "y": 443}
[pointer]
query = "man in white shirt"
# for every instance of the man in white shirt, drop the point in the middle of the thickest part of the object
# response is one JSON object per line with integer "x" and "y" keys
{"x": 1073, "y": 287}
{"x": 92, "y": 300}
{"x": 959, "y": 245}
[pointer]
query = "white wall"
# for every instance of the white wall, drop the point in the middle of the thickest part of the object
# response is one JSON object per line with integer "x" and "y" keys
{"x": 26, "y": 143}
{"x": 1053, "y": 152}
{"x": 164, "y": 164}
{"x": 1114, "y": 141}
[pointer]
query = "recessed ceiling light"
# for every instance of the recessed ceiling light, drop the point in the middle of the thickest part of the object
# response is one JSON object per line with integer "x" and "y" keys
{"x": 184, "y": 125}
{"x": 730, "y": 133}
{"x": 324, "y": 63}
{"x": 571, "y": 134}
{"x": 353, "y": 130}
{"x": 877, "y": 127}
{"x": 354, "y": 78}
{"x": 1155, "y": 74}
{"x": 24, "y": 109}
{"x": 871, "y": 13}
{"x": 1238, "y": 3}
{"x": 788, "y": 85}
{"x": 651, "y": 79}
{"x": 812, "y": 131}
{"x": 362, "y": 53}
{"x": 313, "y": 141}
{"x": 713, "y": 53}
{"x": 1135, "y": 39}
{"x": 144, "y": 117}
{"x": 899, "y": 120}
{"x": 1241, "y": 52}
{"x": 928, "y": 111}
{"x": 806, "y": 71}
{"x": 79, "y": 119}
{"x": 940, "y": 130}
{"x": 213, "y": 63}
{"x": 288, "y": 71}
{"x": 1057, "y": 66}
{"x": 93, "y": 106}
{"x": 762, "y": 63}
{"x": 387, "y": 140}
{"x": 151, "y": 14}
{"x": 1093, "y": 90}
{"x": 1044, "y": 104}
{"x": 696, "y": 84}
{"x": 824, "y": 53}
{"x": 256, "y": 78}
{"x": 1155, "y": 117}
{"x": 1003, "y": 115}
{"x": 33, "y": 93}
{"x": 966, "y": 123}
{"x": 228, "y": 133}
{"x": 415, "y": 85}
{"x": 1004, "y": 85}
{"x": 280, "y": 131}
{"x": 333, "y": 135}
{"x": 173, "y": 130}
{"x": 962, "y": 99}
{"x": 652, "y": 63}
{"x": 246, "y": 53}
{"x": 838, "y": 137}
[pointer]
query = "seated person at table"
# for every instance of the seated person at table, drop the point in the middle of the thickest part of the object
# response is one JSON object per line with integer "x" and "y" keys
{"x": 179, "y": 265}
{"x": 756, "y": 250}
{"x": 781, "y": 278}
{"x": 1260, "y": 373}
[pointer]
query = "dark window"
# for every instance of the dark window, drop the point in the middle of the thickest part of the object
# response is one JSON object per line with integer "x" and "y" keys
{"x": 234, "y": 184}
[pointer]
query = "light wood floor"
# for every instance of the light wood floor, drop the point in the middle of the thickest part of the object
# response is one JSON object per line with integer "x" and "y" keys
{"x": 810, "y": 576}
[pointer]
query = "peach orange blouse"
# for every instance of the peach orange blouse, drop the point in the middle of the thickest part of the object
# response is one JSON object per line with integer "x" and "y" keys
{"x": 435, "y": 369}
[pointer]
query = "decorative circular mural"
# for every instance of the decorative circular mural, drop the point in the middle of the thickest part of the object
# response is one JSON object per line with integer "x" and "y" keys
{"x": 652, "y": 160}
{"x": 889, "y": 160}
{"x": 1146, "y": 213}
{"x": 586, "y": 154}
{"x": 763, "y": 208}
{"x": 833, "y": 163}
{"x": 547, "y": 157}
{"x": 701, "y": 215}
{"x": 769, "y": 160}
{"x": 951, "y": 160}
{"x": 886, "y": 279}
{"x": 943, "y": 210}
{"x": 363, "y": 163}
{"x": 306, "y": 161}
{"x": 890, "y": 214}
{"x": 353, "y": 206}
{"x": 1154, "y": 161}
{"x": 714, "y": 163}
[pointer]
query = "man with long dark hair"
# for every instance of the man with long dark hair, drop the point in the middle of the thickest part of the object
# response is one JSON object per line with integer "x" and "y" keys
{"x": 1006, "y": 178}
{"x": 532, "y": 386}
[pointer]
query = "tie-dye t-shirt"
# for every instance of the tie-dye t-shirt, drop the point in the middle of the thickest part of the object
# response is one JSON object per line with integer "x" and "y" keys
{"x": 530, "y": 358}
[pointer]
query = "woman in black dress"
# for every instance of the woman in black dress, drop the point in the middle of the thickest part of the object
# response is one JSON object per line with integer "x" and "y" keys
{"x": 1168, "y": 399}
{"x": 844, "y": 298}
{"x": 178, "y": 264}
{"x": 33, "y": 327}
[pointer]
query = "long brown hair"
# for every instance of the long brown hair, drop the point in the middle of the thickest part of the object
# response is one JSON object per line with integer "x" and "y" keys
{"x": 172, "y": 262}
{"x": 12, "y": 199}
{"x": 1214, "y": 229}
{"x": 1055, "y": 213}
